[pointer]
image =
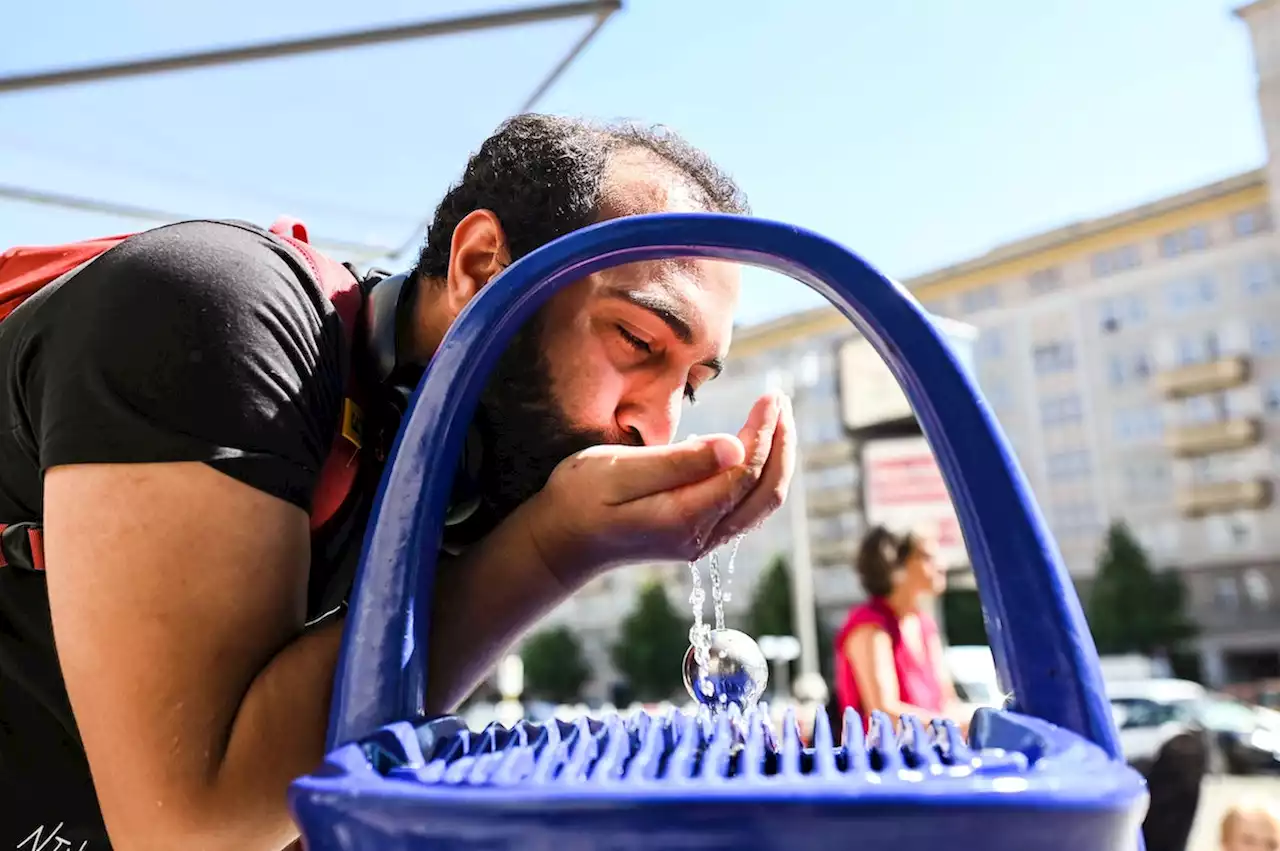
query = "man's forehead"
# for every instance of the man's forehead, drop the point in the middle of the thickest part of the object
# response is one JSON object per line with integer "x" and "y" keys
{"x": 696, "y": 301}
{"x": 639, "y": 181}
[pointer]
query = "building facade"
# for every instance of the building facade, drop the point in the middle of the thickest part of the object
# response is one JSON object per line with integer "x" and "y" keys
{"x": 1133, "y": 362}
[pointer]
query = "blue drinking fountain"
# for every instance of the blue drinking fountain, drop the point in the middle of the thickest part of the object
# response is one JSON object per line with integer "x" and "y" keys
{"x": 1044, "y": 774}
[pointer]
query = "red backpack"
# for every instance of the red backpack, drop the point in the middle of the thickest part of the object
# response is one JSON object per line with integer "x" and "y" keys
{"x": 25, "y": 270}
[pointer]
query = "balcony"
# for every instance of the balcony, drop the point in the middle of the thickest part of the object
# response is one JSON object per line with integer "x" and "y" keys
{"x": 823, "y": 502}
{"x": 1198, "y": 378}
{"x": 1224, "y": 497}
{"x": 1208, "y": 438}
{"x": 829, "y": 553}
{"x": 831, "y": 454}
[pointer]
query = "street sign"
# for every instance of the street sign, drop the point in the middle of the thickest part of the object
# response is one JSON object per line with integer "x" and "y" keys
{"x": 904, "y": 491}
{"x": 870, "y": 395}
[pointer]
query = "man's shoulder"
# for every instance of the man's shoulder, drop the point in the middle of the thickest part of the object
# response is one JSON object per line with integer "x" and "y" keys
{"x": 230, "y": 250}
{"x": 199, "y": 272}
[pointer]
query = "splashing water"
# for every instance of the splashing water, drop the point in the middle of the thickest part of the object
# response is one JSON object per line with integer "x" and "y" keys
{"x": 720, "y": 595}
{"x": 699, "y": 633}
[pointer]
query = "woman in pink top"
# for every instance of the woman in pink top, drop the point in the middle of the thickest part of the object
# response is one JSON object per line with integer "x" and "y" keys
{"x": 888, "y": 653}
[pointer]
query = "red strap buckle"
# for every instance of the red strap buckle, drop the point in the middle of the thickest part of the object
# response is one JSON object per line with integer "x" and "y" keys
{"x": 289, "y": 226}
{"x": 22, "y": 546}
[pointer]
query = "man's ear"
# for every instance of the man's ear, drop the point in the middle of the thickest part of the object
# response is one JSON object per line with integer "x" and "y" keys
{"x": 477, "y": 253}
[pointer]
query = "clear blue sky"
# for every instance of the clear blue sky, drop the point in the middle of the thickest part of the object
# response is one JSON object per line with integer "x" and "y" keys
{"x": 918, "y": 132}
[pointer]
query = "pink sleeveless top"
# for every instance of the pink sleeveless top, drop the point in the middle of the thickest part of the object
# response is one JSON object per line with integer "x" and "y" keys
{"x": 917, "y": 677}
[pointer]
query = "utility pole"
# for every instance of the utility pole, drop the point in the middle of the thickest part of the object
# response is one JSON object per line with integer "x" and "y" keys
{"x": 804, "y": 599}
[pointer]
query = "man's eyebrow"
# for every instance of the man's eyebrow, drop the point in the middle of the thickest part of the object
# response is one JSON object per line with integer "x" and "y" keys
{"x": 673, "y": 314}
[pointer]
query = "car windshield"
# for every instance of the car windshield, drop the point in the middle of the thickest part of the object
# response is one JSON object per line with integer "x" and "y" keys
{"x": 1139, "y": 712}
{"x": 1224, "y": 715}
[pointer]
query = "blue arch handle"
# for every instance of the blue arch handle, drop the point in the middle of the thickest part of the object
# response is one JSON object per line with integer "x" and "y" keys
{"x": 1041, "y": 643}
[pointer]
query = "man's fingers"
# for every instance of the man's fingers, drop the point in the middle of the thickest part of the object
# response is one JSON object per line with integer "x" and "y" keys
{"x": 757, "y": 433}
{"x": 641, "y": 471}
{"x": 771, "y": 488}
{"x": 690, "y": 512}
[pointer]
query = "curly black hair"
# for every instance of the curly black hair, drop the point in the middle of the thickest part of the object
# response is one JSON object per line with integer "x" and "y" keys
{"x": 543, "y": 176}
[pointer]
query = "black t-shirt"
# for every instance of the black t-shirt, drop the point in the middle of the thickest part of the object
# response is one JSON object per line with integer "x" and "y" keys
{"x": 200, "y": 341}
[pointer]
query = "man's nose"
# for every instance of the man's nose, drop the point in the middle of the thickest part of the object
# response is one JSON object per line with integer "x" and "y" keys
{"x": 655, "y": 419}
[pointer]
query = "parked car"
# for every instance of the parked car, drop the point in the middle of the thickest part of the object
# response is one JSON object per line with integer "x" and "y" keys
{"x": 1242, "y": 739}
{"x": 1149, "y": 713}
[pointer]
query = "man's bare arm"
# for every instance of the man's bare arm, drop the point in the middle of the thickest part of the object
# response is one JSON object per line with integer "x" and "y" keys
{"x": 178, "y": 599}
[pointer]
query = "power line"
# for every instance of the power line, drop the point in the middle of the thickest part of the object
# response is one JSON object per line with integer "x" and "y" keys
{"x": 303, "y": 46}
{"x": 361, "y": 250}
{"x": 529, "y": 103}
{"x": 601, "y": 10}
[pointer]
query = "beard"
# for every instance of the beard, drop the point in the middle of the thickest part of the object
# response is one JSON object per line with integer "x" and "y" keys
{"x": 524, "y": 430}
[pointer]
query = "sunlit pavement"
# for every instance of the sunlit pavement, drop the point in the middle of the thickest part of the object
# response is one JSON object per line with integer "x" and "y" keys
{"x": 1219, "y": 793}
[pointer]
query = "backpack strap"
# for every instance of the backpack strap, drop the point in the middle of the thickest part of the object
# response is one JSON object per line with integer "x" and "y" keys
{"x": 24, "y": 270}
{"x": 342, "y": 289}
{"x": 22, "y": 546}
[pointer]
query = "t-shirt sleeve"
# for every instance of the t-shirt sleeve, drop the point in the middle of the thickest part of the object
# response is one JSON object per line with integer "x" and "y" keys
{"x": 201, "y": 341}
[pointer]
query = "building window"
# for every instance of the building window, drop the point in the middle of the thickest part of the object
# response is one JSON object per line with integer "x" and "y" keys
{"x": 1194, "y": 238}
{"x": 1146, "y": 479}
{"x": 1061, "y": 410}
{"x": 1045, "y": 280}
{"x": 835, "y": 528}
{"x": 1271, "y": 398}
{"x": 1229, "y": 534}
{"x": 844, "y": 475}
{"x": 1054, "y": 357}
{"x": 1117, "y": 260}
{"x": 1136, "y": 425}
{"x": 1264, "y": 337}
{"x": 1249, "y": 222}
{"x": 1188, "y": 294}
{"x": 1258, "y": 276}
{"x": 983, "y": 298}
{"x": 1075, "y": 521}
{"x": 1070, "y": 464}
{"x": 1257, "y": 587}
{"x": 1128, "y": 368}
{"x": 1194, "y": 348}
{"x": 1202, "y": 410}
{"x": 1120, "y": 311}
{"x": 1226, "y": 595}
{"x": 1117, "y": 371}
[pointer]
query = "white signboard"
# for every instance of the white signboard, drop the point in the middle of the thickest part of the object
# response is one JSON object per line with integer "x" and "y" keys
{"x": 905, "y": 492}
{"x": 870, "y": 395}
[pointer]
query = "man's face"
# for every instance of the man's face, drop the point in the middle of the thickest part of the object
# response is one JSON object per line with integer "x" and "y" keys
{"x": 610, "y": 359}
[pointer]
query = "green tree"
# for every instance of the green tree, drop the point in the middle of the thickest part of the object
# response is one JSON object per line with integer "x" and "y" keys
{"x": 772, "y": 611}
{"x": 1133, "y": 608}
{"x": 555, "y": 668}
{"x": 651, "y": 646}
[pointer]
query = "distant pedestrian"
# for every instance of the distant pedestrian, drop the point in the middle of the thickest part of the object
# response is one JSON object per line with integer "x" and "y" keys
{"x": 1252, "y": 826}
{"x": 1174, "y": 781}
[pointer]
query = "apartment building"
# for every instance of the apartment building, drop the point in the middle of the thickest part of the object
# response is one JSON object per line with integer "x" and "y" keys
{"x": 1134, "y": 363}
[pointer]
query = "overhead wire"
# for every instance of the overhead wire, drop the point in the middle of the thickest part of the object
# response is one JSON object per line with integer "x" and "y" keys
{"x": 600, "y": 10}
